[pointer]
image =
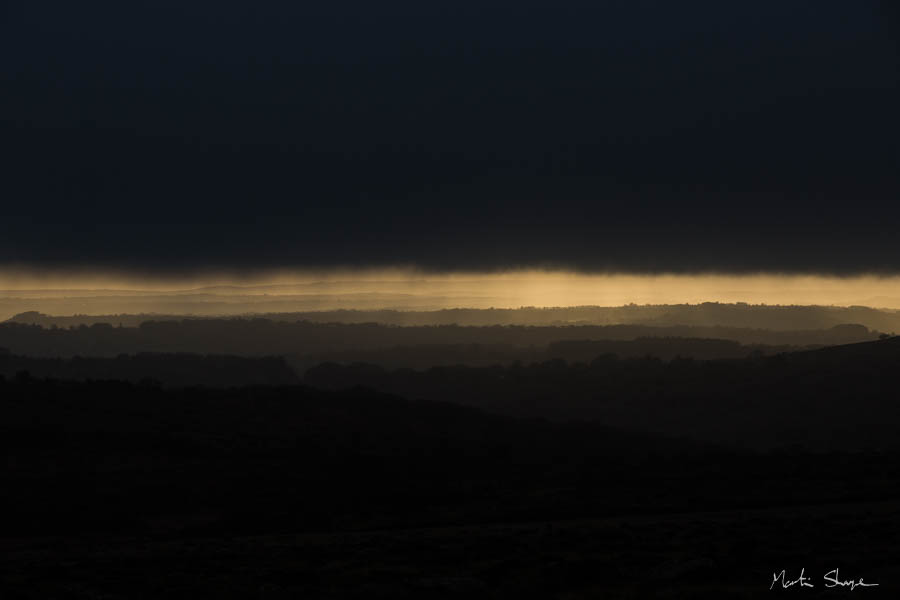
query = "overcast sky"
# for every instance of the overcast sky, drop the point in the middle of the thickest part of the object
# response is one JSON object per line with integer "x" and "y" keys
{"x": 635, "y": 136}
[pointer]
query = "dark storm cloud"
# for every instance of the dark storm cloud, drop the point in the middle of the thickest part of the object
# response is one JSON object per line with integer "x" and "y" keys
{"x": 631, "y": 135}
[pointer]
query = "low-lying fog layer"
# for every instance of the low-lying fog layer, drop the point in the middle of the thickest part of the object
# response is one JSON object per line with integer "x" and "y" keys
{"x": 85, "y": 292}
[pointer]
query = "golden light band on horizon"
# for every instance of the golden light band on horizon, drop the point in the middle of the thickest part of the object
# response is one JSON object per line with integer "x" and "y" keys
{"x": 508, "y": 289}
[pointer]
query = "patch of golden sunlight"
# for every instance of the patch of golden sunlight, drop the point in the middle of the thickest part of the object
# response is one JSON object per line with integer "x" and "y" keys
{"x": 410, "y": 289}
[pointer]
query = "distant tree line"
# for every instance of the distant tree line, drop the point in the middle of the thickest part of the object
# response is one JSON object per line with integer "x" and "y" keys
{"x": 175, "y": 370}
{"x": 707, "y": 314}
{"x": 261, "y": 337}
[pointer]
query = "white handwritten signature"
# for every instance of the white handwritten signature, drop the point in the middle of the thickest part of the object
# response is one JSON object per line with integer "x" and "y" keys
{"x": 832, "y": 579}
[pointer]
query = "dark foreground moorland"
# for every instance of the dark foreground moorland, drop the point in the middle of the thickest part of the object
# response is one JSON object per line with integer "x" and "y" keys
{"x": 121, "y": 490}
{"x": 576, "y": 468}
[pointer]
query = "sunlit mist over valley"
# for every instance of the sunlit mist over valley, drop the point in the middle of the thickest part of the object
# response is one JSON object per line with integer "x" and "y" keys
{"x": 420, "y": 291}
